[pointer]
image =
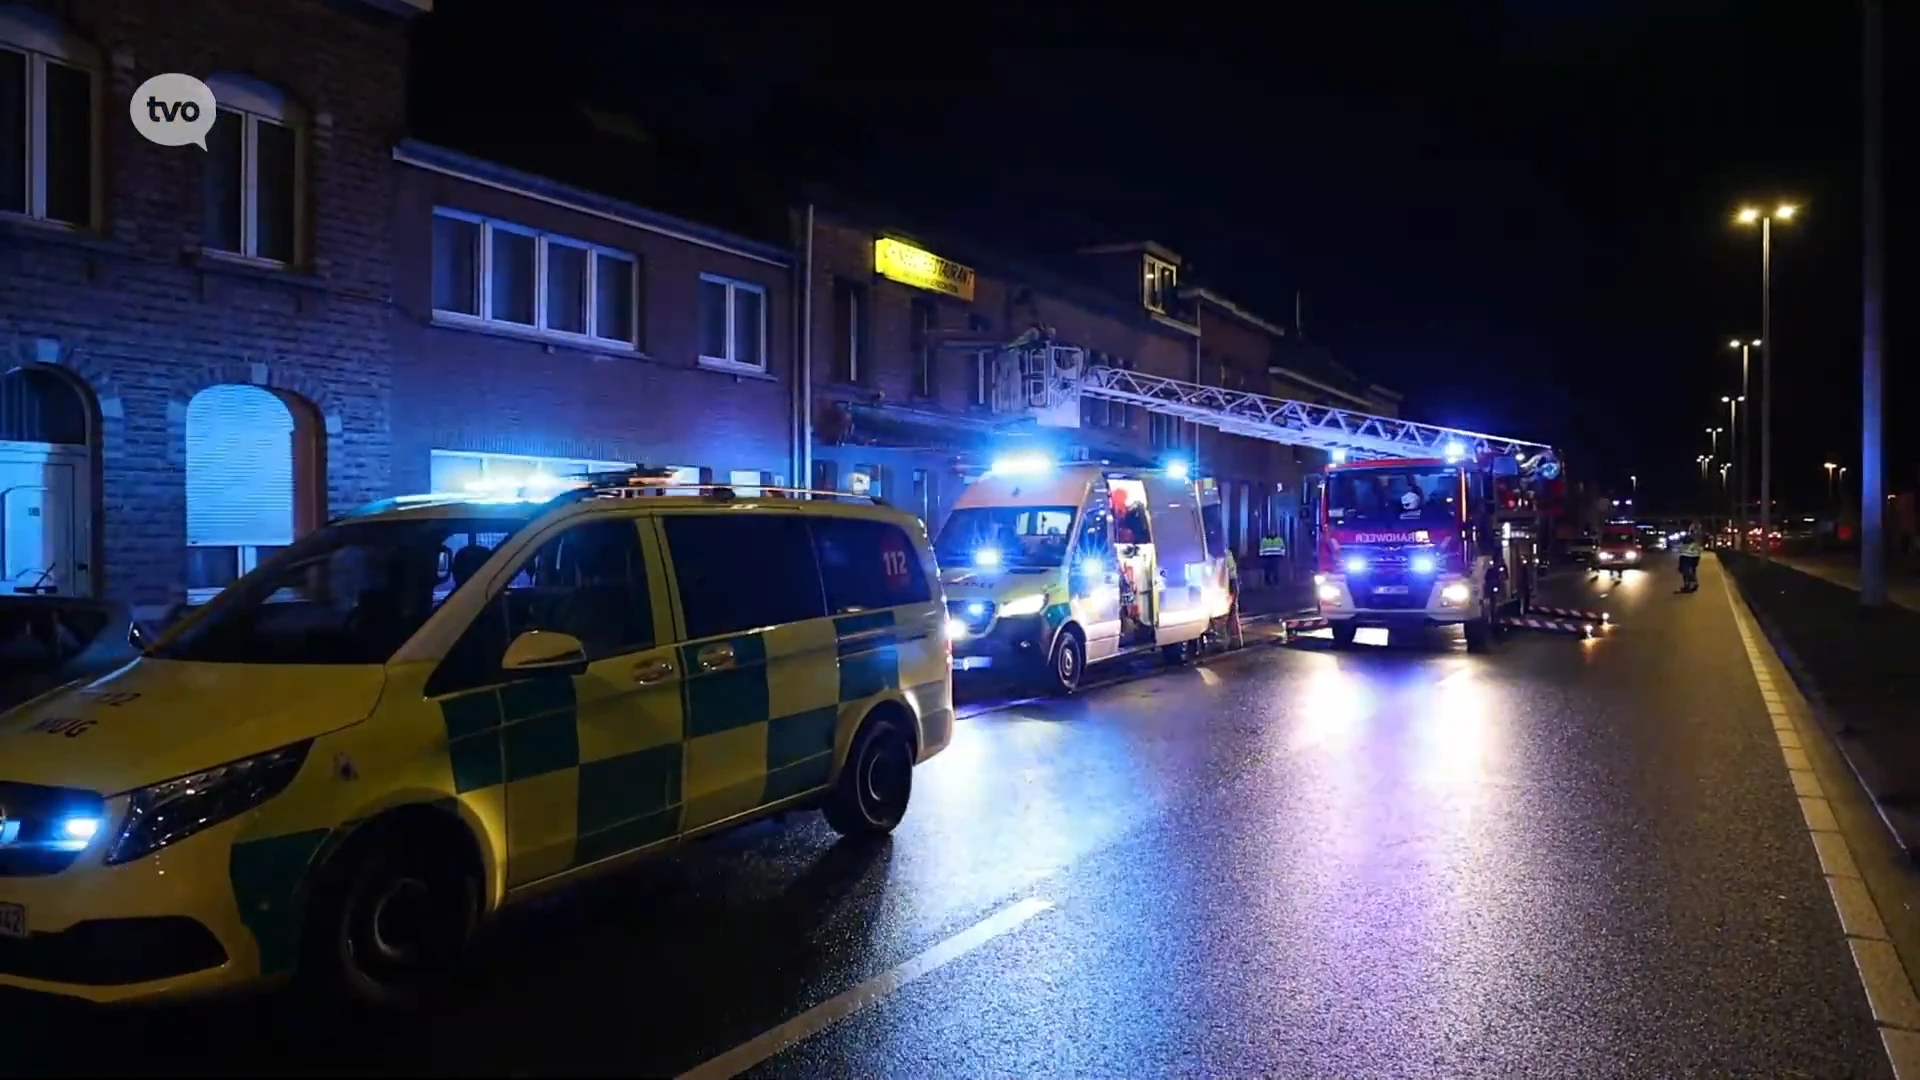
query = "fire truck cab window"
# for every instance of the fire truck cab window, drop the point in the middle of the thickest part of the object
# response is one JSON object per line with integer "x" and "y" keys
{"x": 1393, "y": 497}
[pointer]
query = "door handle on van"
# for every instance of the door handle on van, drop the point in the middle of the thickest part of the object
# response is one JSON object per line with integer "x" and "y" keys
{"x": 715, "y": 656}
{"x": 651, "y": 671}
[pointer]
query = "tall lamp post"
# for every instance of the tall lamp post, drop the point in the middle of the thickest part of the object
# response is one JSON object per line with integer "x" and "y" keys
{"x": 1705, "y": 487}
{"x": 1830, "y": 466}
{"x": 1725, "y": 466}
{"x": 1747, "y": 216}
{"x": 1740, "y": 504}
{"x": 1873, "y": 498}
{"x": 1740, "y": 443}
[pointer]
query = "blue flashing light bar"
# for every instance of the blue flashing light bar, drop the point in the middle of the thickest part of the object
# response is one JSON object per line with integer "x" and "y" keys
{"x": 1028, "y": 464}
{"x": 1177, "y": 469}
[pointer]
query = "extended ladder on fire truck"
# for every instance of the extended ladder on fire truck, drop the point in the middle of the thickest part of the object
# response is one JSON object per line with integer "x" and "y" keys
{"x": 1050, "y": 380}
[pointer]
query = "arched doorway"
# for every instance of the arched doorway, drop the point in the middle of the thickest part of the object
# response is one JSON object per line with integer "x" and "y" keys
{"x": 46, "y": 483}
{"x": 245, "y": 466}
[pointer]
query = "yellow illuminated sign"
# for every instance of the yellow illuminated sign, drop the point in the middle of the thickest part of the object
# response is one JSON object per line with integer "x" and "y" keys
{"x": 908, "y": 265}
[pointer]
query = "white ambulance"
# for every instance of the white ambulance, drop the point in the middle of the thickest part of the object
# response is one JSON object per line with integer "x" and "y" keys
{"x": 1049, "y": 568}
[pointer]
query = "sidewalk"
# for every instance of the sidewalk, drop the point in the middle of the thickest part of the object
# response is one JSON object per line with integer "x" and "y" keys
{"x": 1903, "y": 587}
{"x": 1861, "y": 671}
{"x": 1258, "y": 601}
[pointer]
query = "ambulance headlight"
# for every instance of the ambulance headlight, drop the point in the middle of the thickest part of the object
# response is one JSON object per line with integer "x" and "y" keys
{"x": 1025, "y": 605}
{"x": 1456, "y": 593}
{"x": 1423, "y": 564}
{"x": 956, "y": 629}
{"x": 75, "y": 833}
{"x": 1328, "y": 593}
{"x": 172, "y": 810}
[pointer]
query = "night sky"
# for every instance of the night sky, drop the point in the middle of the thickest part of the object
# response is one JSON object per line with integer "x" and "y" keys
{"x": 1520, "y": 214}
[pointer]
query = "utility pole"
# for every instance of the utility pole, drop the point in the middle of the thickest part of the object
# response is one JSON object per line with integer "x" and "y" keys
{"x": 1873, "y": 497}
{"x": 1766, "y": 387}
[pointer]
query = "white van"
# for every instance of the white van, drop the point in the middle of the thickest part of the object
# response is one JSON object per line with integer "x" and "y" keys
{"x": 1049, "y": 568}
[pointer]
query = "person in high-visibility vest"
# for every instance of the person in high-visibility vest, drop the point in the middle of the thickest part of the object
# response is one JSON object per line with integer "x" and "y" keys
{"x": 1273, "y": 548}
{"x": 1690, "y": 550}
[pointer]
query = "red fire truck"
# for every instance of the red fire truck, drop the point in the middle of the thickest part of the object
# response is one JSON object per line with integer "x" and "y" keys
{"x": 1411, "y": 543}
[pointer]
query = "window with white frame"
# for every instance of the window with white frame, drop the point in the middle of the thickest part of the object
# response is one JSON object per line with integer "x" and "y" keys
{"x": 1157, "y": 289}
{"x": 733, "y": 323}
{"x": 49, "y": 121}
{"x": 508, "y": 275}
{"x": 254, "y": 173}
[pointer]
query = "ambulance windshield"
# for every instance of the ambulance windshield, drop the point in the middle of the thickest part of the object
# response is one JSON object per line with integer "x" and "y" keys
{"x": 1391, "y": 496}
{"x": 1028, "y": 537}
{"x": 350, "y": 593}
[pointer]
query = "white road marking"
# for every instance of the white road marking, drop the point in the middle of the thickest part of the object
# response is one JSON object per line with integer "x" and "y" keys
{"x": 1889, "y": 991}
{"x": 835, "y": 1009}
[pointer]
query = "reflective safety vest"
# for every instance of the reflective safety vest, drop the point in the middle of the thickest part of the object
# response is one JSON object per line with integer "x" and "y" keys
{"x": 1690, "y": 548}
{"x": 1273, "y": 545}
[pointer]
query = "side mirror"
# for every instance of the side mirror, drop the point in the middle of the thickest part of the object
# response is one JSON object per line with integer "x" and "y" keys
{"x": 545, "y": 652}
{"x": 138, "y": 637}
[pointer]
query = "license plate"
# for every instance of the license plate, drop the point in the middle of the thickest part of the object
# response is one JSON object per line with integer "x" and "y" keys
{"x": 13, "y": 920}
{"x": 1391, "y": 590}
{"x": 972, "y": 663}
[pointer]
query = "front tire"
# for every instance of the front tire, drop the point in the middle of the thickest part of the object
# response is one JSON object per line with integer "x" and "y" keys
{"x": 1480, "y": 632}
{"x": 875, "y": 783}
{"x": 1068, "y": 664}
{"x": 1343, "y": 633}
{"x": 390, "y": 925}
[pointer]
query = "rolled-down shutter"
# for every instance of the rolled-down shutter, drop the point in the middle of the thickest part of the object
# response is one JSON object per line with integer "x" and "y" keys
{"x": 239, "y": 469}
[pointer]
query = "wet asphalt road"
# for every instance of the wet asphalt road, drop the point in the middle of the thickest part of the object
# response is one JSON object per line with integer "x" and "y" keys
{"x": 1564, "y": 859}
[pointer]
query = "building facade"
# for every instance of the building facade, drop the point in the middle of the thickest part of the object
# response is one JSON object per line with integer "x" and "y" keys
{"x": 542, "y": 329}
{"x": 209, "y": 353}
{"x": 195, "y": 342}
{"x": 912, "y": 394}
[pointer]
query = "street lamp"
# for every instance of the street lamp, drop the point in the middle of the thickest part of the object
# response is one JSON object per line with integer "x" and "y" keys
{"x": 1747, "y": 216}
{"x": 1740, "y": 504}
{"x": 1713, "y": 437}
{"x": 1740, "y": 443}
{"x": 1830, "y": 466}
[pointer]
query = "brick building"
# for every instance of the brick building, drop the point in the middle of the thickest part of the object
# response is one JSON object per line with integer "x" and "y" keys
{"x": 906, "y": 332}
{"x": 541, "y": 327}
{"x": 195, "y": 343}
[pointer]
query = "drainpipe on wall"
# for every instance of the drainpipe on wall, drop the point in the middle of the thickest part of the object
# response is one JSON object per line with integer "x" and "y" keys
{"x": 803, "y": 386}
